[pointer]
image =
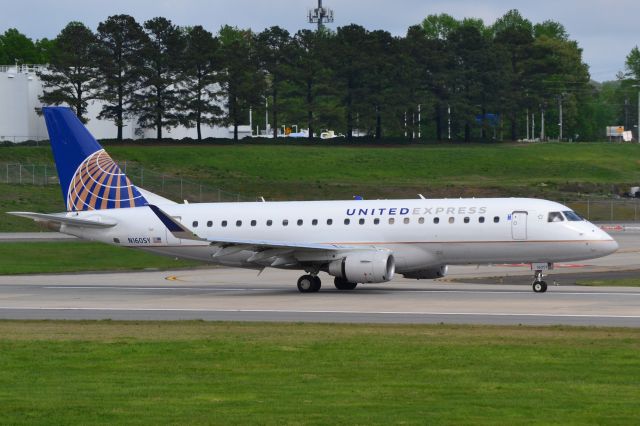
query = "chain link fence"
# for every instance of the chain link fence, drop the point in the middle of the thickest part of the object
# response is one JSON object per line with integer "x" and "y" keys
{"x": 179, "y": 189}
{"x": 172, "y": 187}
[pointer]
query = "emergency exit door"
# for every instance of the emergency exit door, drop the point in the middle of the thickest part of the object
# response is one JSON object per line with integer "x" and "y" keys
{"x": 519, "y": 225}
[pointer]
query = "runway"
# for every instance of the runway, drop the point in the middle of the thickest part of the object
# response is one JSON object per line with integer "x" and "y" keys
{"x": 224, "y": 294}
{"x": 238, "y": 295}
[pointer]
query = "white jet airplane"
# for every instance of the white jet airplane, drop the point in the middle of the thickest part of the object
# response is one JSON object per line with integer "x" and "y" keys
{"x": 354, "y": 241}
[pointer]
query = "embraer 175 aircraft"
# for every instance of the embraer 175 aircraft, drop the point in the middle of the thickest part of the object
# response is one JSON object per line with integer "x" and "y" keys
{"x": 354, "y": 241}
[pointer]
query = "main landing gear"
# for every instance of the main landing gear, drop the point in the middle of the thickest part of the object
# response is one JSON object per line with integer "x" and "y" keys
{"x": 309, "y": 284}
{"x": 342, "y": 284}
{"x": 539, "y": 285}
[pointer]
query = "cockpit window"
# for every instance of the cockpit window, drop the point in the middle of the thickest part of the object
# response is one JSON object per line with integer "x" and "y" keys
{"x": 573, "y": 216}
{"x": 555, "y": 217}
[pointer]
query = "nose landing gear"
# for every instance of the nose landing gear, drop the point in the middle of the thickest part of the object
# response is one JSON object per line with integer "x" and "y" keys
{"x": 539, "y": 285}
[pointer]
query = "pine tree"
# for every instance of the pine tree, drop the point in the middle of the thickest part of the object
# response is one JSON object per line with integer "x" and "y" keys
{"x": 155, "y": 101}
{"x": 71, "y": 77}
{"x": 199, "y": 85}
{"x": 120, "y": 46}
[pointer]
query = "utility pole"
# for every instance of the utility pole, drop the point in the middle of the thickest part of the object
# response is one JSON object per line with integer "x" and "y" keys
{"x": 560, "y": 123}
{"x": 266, "y": 116}
{"x": 533, "y": 126}
{"x": 542, "y": 123}
{"x": 449, "y": 121}
{"x": 420, "y": 118}
{"x": 320, "y": 15}
{"x": 638, "y": 127}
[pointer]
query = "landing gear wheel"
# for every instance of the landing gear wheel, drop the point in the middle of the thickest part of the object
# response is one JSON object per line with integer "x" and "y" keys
{"x": 309, "y": 284}
{"x": 342, "y": 284}
{"x": 539, "y": 286}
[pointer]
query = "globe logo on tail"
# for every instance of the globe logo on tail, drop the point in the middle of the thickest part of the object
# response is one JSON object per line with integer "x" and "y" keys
{"x": 98, "y": 183}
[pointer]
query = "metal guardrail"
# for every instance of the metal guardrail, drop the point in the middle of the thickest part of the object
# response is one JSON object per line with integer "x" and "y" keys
{"x": 175, "y": 188}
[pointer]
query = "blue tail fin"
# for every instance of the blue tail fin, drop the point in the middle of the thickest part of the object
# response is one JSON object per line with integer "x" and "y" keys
{"x": 89, "y": 178}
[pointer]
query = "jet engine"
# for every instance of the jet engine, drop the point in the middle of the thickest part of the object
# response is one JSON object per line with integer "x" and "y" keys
{"x": 364, "y": 267}
{"x": 429, "y": 273}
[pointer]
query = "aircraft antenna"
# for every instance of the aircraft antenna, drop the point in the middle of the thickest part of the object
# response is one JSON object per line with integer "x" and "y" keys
{"x": 320, "y": 15}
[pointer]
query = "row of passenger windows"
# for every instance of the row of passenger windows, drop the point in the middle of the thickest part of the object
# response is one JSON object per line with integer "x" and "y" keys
{"x": 347, "y": 221}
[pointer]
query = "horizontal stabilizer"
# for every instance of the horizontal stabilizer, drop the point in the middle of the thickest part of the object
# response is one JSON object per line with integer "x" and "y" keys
{"x": 62, "y": 218}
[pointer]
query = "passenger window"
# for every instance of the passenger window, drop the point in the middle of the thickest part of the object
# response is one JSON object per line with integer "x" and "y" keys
{"x": 555, "y": 217}
{"x": 361, "y": 221}
{"x": 224, "y": 223}
{"x": 238, "y": 223}
{"x": 452, "y": 219}
{"x": 496, "y": 219}
{"x": 195, "y": 223}
{"x": 466, "y": 220}
{"x": 209, "y": 224}
{"x": 406, "y": 220}
{"x": 421, "y": 220}
{"x": 299, "y": 222}
{"x": 314, "y": 222}
{"x": 285, "y": 222}
{"x": 329, "y": 221}
{"x": 436, "y": 220}
{"x": 269, "y": 222}
{"x": 253, "y": 223}
{"x": 391, "y": 221}
{"x": 481, "y": 219}
{"x": 347, "y": 221}
{"x": 376, "y": 221}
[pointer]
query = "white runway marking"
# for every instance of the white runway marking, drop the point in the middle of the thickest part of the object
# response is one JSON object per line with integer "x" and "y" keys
{"x": 390, "y": 290}
{"x": 287, "y": 311}
{"x": 152, "y": 288}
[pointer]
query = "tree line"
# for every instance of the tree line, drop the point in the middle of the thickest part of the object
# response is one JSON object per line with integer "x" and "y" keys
{"x": 445, "y": 79}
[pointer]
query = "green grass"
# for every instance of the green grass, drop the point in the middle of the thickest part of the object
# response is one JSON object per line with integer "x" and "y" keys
{"x": 51, "y": 257}
{"x": 45, "y": 199}
{"x": 307, "y": 172}
{"x": 624, "y": 282}
{"x": 230, "y": 373}
{"x": 293, "y": 172}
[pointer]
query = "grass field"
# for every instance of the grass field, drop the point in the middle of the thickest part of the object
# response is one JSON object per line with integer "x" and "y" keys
{"x": 554, "y": 171}
{"x": 310, "y": 172}
{"x": 52, "y": 257}
{"x": 625, "y": 282}
{"x": 242, "y": 373}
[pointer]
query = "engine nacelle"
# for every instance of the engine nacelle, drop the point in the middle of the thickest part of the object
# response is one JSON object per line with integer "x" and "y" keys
{"x": 428, "y": 274}
{"x": 365, "y": 267}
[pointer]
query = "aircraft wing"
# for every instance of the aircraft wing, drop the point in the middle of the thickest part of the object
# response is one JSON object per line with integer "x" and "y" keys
{"x": 265, "y": 250}
{"x": 62, "y": 218}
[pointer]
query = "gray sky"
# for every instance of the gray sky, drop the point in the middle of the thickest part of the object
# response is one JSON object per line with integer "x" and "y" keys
{"x": 606, "y": 30}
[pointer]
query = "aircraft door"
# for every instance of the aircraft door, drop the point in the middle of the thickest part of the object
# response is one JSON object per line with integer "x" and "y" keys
{"x": 519, "y": 225}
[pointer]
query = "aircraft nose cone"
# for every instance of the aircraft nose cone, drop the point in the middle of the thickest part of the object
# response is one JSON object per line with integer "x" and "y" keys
{"x": 610, "y": 246}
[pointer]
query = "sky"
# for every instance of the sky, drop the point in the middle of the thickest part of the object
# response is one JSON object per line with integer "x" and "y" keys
{"x": 606, "y": 30}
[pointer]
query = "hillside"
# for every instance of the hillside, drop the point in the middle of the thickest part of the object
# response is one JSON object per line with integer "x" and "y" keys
{"x": 277, "y": 172}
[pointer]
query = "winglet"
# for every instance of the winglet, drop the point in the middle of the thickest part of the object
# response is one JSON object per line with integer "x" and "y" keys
{"x": 176, "y": 228}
